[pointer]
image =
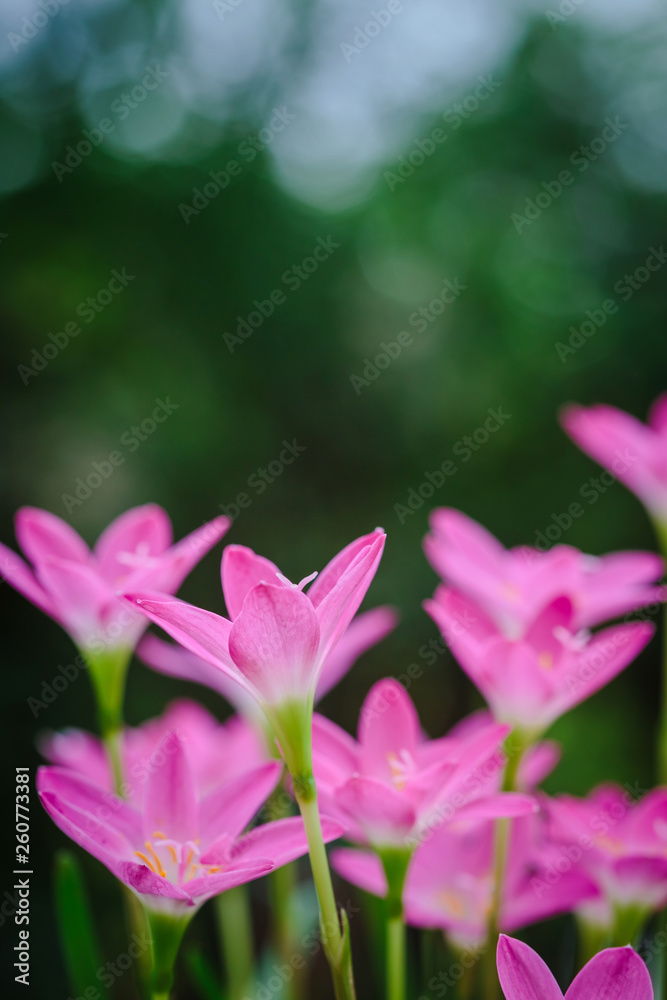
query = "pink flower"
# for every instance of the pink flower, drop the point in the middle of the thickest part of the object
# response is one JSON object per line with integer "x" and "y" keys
{"x": 514, "y": 585}
{"x": 619, "y": 843}
{"x": 215, "y": 752}
{"x": 633, "y": 452}
{"x": 449, "y": 882}
{"x": 532, "y": 681}
{"x": 393, "y": 785}
{"x": 182, "y": 846}
{"x": 79, "y": 588}
{"x": 278, "y": 637}
{"x": 611, "y": 974}
{"x": 364, "y": 631}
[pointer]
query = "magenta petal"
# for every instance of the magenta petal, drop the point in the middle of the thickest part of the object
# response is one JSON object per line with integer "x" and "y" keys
{"x": 86, "y": 830}
{"x": 337, "y": 567}
{"x": 231, "y": 806}
{"x": 170, "y": 802}
{"x": 495, "y": 806}
{"x": 145, "y": 530}
{"x": 386, "y": 816}
{"x": 540, "y": 634}
{"x": 282, "y": 841}
{"x": 242, "y": 570}
{"x": 274, "y": 642}
{"x": 522, "y": 973}
{"x": 18, "y": 575}
{"x": 143, "y": 880}
{"x": 175, "y": 564}
{"x": 363, "y": 632}
{"x": 83, "y": 600}
{"x": 80, "y": 792}
{"x": 210, "y": 885}
{"x": 613, "y": 974}
{"x": 388, "y": 730}
{"x": 361, "y": 868}
{"x": 41, "y": 535}
{"x": 338, "y": 602}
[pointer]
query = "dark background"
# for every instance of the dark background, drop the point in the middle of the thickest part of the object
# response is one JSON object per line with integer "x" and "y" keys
{"x": 331, "y": 172}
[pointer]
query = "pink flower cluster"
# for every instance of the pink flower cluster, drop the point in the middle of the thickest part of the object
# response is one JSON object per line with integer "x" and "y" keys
{"x": 524, "y": 625}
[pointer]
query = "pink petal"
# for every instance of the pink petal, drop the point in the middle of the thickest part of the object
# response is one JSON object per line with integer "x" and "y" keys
{"x": 341, "y": 587}
{"x": 613, "y": 974}
{"x": 77, "y": 791}
{"x": 464, "y": 626}
{"x": 607, "y": 653}
{"x": 21, "y": 578}
{"x": 166, "y": 573}
{"x": 242, "y": 570}
{"x": 363, "y": 632}
{"x": 537, "y": 763}
{"x": 386, "y": 816}
{"x": 78, "y": 751}
{"x": 86, "y": 830}
{"x": 210, "y": 885}
{"x": 361, "y": 868}
{"x": 282, "y": 841}
{"x": 522, "y": 973}
{"x": 389, "y": 730}
{"x": 558, "y": 614}
{"x": 231, "y": 806}
{"x": 274, "y": 642}
{"x": 464, "y": 553}
{"x": 42, "y": 535}
{"x": 170, "y": 803}
{"x": 84, "y": 601}
{"x": 657, "y": 417}
{"x": 510, "y": 804}
{"x": 335, "y": 753}
{"x": 146, "y": 529}
{"x": 148, "y": 883}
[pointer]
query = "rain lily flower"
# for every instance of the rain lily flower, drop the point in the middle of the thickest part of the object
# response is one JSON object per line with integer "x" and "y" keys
{"x": 450, "y": 880}
{"x": 274, "y": 646}
{"x": 633, "y": 452}
{"x": 532, "y": 681}
{"x": 364, "y": 631}
{"x": 611, "y": 974}
{"x": 181, "y": 847}
{"x": 215, "y": 752}
{"x": 393, "y": 786}
{"x": 278, "y": 637}
{"x": 621, "y": 844}
{"x": 513, "y": 585}
{"x": 80, "y": 588}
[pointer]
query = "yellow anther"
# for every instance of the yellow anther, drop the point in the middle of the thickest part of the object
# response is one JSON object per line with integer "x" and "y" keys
{"x": 545, "y": 660}
{"x": 145, "y": 860}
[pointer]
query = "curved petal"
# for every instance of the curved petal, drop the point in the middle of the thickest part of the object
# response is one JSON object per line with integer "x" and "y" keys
{"x": 102, "y": 807}
{"x": 19, "y": 576}
{"x": 170, "y": 802}
{"x": 361, "y": 868}
{"x": 173, "y": 566}
{"x": 231, "y": 806}
{"x": 210, "y": 885}
{"x": 522, "y": 973}
{"x": 386, "y": 816}
{"x": 140, "y": 532}
{"x": 87, "y": 831}
{"x": 42, "y": 535}
{"x": 464, "y": 626}
{"x": 389, "y": 730}
{"x": 335, "y": 752}
{"x": 148, "y": 883}
{"x": 282, "y": 841}
{"x": 613, "y": 974}
{"x": 83, "y": 600}
{"x": 363, "y": 632}
{"x": 274, "y": 642}
{"x": 241, "y": 570}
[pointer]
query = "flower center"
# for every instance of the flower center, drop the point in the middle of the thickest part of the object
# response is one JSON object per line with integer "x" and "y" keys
{"x": 173, "y": 860}
{"x": 401, "y": 766}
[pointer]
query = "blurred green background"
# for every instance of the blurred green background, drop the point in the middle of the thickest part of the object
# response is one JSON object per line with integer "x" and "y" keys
{"x": 414, "y": 146}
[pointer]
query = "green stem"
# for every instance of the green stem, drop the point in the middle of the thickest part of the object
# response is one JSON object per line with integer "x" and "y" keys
{"x": 166, "y": 935}
{"x": 108, "y": 672}
{"x": 592, "y": 939}
{"x": 282, "y": 883}
{"x": 336, "y": 942}
{"x": 236, "y": 938}
{"x": 396, "y": 964}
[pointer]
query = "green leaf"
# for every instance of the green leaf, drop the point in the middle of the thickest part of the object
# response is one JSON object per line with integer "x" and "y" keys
{"x": 75, "y": 925}
{"x": 202, "y": 974}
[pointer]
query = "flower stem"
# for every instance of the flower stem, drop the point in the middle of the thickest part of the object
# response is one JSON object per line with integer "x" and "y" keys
{"x": 108, "y": 672}
{"x": 395, "y": 862}
{"x": 396, "y": 964}
{"x": 236, "y": 937}
{"x": 336, "y": 942}
{"x": 166, "y": 936}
